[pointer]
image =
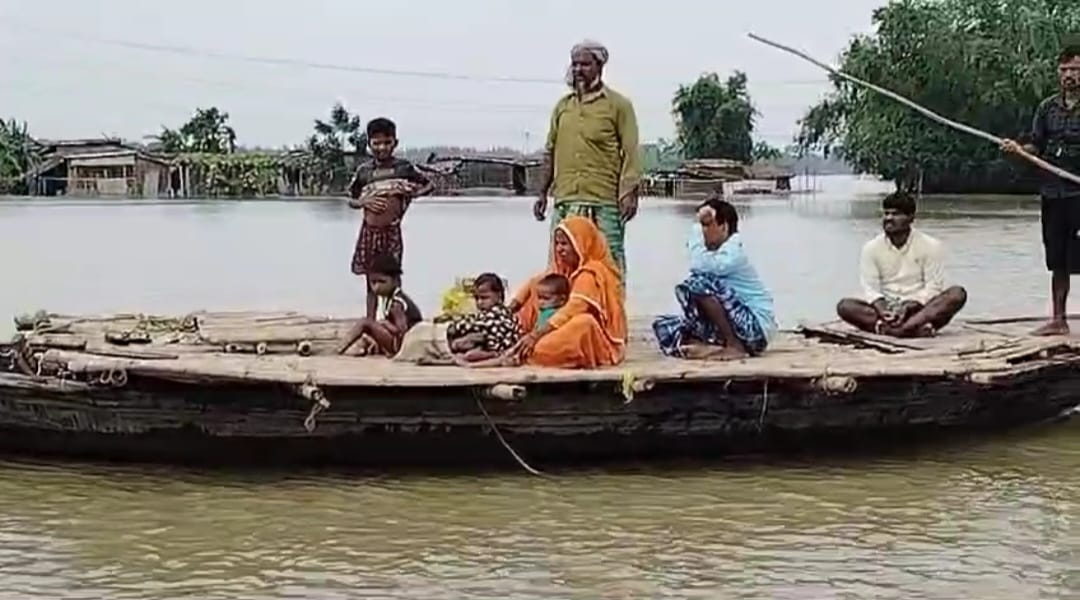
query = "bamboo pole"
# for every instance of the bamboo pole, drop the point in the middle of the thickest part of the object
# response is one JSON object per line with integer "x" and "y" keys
{"x": 1035, "y": 160}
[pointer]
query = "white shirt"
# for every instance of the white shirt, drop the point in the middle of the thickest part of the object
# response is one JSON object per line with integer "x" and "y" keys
{"x": 915, "y": 271}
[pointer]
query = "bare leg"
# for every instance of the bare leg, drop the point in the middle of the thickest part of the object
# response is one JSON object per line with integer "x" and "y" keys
{"x": 935, "y": 315}
{"x": 385, "y": 335}
{"x": 714, "y": 311}
{"x": 858, "y": 314}
{"x": 358, "y": 329}
{"x": 371, "y": 299}
{"x": 1059, "y": 293}
{"x": 486, "y": 360}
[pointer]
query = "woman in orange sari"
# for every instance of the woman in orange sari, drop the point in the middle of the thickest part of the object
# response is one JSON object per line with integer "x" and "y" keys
{"x": 589, "y": 331}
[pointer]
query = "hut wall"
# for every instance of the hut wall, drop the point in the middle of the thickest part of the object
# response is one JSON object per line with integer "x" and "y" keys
{"x": 475, "y": 174}
{"x": 106, "y": 176}
{"x": 151, "y": 178}
{"x": 534, "y": 176}
{"x": 694, "y": 188}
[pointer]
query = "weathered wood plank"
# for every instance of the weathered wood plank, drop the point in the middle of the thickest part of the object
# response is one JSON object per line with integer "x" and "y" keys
{"x": 812, "y": 352}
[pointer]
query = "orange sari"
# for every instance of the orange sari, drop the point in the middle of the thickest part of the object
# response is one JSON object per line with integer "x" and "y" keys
{"x": 589, "y": 331}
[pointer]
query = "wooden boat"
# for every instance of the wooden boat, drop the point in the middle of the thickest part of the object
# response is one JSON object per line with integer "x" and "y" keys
{"x": 263, "y": 388}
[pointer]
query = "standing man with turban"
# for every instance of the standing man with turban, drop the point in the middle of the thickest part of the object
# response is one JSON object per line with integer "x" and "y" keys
{"x": 591, "y": 163}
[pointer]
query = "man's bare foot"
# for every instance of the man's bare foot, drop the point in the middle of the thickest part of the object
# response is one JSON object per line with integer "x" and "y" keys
{"x": 728, "y": 353}
{"x": 700, "y": 351}
{"x": 709, "y": 352}
{"x": 1053, "y": 327}
{"x": 925, "y": 330}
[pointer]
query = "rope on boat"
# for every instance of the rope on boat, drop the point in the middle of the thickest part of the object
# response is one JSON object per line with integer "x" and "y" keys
{"x": 630, "y": 386}
{"x": 498, "y": 434}
{"x": 764, "y": 405}
{"x": 318, "y": 400}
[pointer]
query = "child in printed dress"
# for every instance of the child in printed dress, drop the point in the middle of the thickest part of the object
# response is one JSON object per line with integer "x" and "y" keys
{"x": 489, "y": 332}
{"x": 398, "y": 312}
{"x": 383, "y": 187}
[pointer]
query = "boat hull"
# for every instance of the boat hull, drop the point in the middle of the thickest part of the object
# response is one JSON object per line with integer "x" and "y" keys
{"x": 559, "y": 423}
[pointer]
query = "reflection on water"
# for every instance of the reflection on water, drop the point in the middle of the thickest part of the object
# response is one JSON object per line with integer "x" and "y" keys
{"x": 973, "y": 519}
{"x": 985, "y": 519}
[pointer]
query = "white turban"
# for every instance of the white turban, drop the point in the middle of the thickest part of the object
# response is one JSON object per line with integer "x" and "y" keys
{"x": 598, "y": 51}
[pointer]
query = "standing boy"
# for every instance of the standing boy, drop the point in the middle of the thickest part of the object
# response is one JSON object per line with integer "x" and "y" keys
{"x": 383, "y": 187}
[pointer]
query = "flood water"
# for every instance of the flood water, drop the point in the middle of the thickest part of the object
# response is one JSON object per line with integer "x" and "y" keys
{"x": 991, "y": 518}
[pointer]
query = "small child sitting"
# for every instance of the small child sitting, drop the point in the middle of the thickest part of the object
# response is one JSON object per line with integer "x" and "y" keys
{"x": 483, "y": 336}
{"x": 397, "y": 312}
{"x": 552, "y": 292}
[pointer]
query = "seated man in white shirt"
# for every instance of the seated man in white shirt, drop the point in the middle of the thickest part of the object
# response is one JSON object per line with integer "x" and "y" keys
{"x": 903, "y": 279}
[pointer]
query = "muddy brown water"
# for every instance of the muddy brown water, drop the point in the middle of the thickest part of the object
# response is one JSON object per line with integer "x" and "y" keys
{"x": 987, "y": 517}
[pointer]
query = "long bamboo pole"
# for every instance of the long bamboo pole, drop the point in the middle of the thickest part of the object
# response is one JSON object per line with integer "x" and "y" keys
{"x": 1035, "y": 160}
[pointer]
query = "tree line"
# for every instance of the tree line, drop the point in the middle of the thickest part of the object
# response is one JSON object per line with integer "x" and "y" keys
{"x": 984, "y": 63}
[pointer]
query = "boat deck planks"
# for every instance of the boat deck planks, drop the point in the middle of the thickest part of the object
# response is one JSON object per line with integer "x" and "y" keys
{"x": 192, "y": 348}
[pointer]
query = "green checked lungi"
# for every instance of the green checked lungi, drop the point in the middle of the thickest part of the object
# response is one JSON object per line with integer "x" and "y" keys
{"x": 607, "y": 219}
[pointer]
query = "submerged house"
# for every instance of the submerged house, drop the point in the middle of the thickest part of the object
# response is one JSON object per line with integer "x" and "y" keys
{"x": 764, "y": 179}
{"x": 696, "y": 178}
{"x": 98, "y": 167}
{"x": 699, "y": 178}
{"x": 483, "y": 175}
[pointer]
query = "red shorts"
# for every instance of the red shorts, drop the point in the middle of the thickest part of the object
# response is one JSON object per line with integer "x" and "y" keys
{"x": 374, "y": 241}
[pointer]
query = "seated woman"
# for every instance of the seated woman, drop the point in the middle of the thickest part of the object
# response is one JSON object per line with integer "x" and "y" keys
{"x": 589, "y": 330}
{"x": 724, "y": 304}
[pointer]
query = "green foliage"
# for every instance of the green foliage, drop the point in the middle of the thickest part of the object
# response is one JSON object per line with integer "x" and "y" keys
{"x": 334, "y": 143}
{"x": 662, "y": 155}
{"x": 765, "y": 151}
{"x": 987, "y": 63}
{"x": 240, "y": 175}
{"x": 714, "y": 118}
{"x": 208, "y": 131}
{"x": 16, "y": 157}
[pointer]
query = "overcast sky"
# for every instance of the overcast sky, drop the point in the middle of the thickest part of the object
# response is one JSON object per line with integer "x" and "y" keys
{"x": 75, "y": 68}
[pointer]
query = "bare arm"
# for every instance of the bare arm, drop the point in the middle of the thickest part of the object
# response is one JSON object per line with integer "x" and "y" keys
{"x": 356, "y": 186}
{"x": 547, "y": 173}
{"x": 396, "y": 318}
{"x": 424, "y": 186}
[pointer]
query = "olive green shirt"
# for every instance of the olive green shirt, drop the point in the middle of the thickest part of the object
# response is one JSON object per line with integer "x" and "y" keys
{"x": 594, "y": 143}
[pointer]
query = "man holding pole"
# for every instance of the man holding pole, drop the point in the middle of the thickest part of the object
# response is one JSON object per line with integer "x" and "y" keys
{"x": 1055, "y": 137}
{"x": 591, "y": 157}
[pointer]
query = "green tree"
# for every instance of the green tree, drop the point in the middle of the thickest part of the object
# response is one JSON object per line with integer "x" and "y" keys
{"x": 714, "y": 118}
{"x": 662, "y": 154}
{"x": 985, "y": 63}
{"x": 17, "y": 157}
{"x": 765, "y": 151}
{"x": 208, "y": 131}
{"x": 336, "y": 144}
